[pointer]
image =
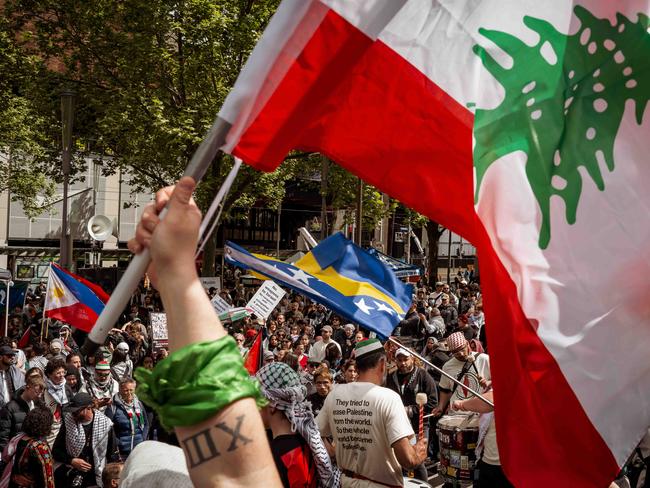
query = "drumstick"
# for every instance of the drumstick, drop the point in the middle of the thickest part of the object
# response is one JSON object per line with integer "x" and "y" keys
{"x": 421, "y": 400}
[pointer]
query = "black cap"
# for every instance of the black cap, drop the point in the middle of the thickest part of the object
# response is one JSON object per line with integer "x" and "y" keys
{"x": 79, "y": 401}
{"x": 7, "y": 350}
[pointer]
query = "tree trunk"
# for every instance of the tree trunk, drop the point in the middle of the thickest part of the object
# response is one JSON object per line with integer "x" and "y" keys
{"x": 434, "y": 231}
{"x": 209, "y": 255}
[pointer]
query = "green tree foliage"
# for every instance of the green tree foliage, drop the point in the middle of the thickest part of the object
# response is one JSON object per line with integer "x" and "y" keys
{"x": 150, "y": 77}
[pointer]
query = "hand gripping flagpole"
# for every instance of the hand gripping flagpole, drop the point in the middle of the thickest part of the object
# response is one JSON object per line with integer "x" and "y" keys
{"x": 196, "y": 168}
{"x": 442, "y": 372}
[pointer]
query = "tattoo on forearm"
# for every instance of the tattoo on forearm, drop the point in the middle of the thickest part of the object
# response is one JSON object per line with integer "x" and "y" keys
{"x": 201, "y": 447}
{"x": 234, "y": 433}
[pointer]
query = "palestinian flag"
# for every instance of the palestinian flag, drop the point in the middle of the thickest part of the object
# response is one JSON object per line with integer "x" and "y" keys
{"x": 524, "y": 127}
{"x": 255, "y": 355}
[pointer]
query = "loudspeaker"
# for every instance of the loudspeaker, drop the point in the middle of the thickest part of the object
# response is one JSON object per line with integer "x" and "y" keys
{"x": 101, "y": 227}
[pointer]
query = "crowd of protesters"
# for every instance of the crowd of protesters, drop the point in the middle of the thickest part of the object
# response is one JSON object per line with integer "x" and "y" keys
{"x": 70, "y": 420}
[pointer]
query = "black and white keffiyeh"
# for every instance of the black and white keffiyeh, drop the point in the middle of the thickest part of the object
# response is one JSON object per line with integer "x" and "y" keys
{"x": 282, "y": 387}
{"x": 57, "y": 391}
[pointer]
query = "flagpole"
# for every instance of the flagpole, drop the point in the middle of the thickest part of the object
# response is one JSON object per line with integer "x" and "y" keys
{"x": 442, "y": 372}
{"x": 46, "y": 302}
{"x": 196, "y": 168}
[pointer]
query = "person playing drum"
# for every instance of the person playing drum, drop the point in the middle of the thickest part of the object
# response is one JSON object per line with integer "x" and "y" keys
{"x": 468, "y": 367}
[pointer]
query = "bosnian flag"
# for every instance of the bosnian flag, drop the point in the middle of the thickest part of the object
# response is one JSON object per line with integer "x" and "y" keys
{"x": 72, "y": 299}
{"x": 523, "y": 126}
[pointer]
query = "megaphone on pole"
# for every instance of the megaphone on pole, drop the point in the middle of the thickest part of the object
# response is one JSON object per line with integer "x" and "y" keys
{"x": 101, "y": 228}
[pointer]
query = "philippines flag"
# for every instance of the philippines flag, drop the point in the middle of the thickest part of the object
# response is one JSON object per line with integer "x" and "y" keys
{"x": 522, "y": 126}
{"x": 72, "y": 299}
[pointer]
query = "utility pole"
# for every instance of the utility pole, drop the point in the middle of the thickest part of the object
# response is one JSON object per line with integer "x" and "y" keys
{"x": 277, "y": 241}
{"x": 408, "y": 244}
{"x": 67, "y": 118}
{"x": 359, "y": 227}
{"x": 449, "y": 258}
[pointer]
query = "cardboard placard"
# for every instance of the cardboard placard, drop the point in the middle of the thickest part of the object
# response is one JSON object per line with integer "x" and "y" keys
{"x": 266, "y": 298}
{"x": 158, "y": 326}
{"x": 211, "y": 282}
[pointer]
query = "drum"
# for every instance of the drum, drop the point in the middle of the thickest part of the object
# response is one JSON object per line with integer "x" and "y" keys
{"x": 457, "y": 438}
{"x": 413, "y": 483}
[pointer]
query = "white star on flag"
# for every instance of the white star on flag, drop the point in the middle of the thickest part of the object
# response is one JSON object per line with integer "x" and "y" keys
{"x": 383, "y": 308}
{"x": 361, "y": 304}
{"x": 300, "y": 275}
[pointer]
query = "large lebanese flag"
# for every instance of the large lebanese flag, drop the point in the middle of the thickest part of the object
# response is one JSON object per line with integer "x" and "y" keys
{"x": 522, "y": 126}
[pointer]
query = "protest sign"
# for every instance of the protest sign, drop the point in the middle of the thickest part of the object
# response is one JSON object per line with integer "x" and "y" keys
{"x": 266, "y": 298}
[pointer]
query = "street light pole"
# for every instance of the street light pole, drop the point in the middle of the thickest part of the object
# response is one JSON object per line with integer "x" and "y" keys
{"x": 67, "y": 118}
{"x": 9, "y": 284}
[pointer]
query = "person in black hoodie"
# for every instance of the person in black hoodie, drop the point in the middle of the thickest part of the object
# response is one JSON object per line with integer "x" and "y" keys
{"x": 407, "y": 381}
{"x": 13, "y": 413}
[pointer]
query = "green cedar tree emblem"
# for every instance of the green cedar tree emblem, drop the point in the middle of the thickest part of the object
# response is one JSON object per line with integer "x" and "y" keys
{"x": 564, "y": 103}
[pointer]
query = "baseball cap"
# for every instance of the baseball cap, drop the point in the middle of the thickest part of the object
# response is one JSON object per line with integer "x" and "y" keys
{"x": 123, "y": 347}
{"x": 79, "y": 401}
{"x": 403, "y": 352}
{"x": 7, "y": 351}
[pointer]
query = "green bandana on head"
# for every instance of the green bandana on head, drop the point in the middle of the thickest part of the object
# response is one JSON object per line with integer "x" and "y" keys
{"x": 367, "y": 346}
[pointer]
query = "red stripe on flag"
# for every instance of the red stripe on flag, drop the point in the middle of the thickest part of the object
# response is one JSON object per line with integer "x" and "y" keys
{"x": 79, "y": 315}
{"x": 253, "y": 360}
{"x": 371, "y": 111}
{"x": 24, "y": 340}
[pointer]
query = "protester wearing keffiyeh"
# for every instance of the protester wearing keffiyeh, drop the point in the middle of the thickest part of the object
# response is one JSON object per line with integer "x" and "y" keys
{"x": 281, "y": 386}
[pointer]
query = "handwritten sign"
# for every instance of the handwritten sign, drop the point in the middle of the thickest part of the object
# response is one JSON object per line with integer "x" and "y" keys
{"x": 220, "y": 305}
{"x": 266, "y": 298}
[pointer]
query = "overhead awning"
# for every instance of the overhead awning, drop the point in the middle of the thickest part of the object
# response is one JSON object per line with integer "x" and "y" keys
{"x": 401, "y": 269}
{"x": 49, "y": 253}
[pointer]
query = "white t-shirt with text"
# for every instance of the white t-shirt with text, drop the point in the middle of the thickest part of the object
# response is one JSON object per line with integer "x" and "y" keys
{"x": 365, "y": 420}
